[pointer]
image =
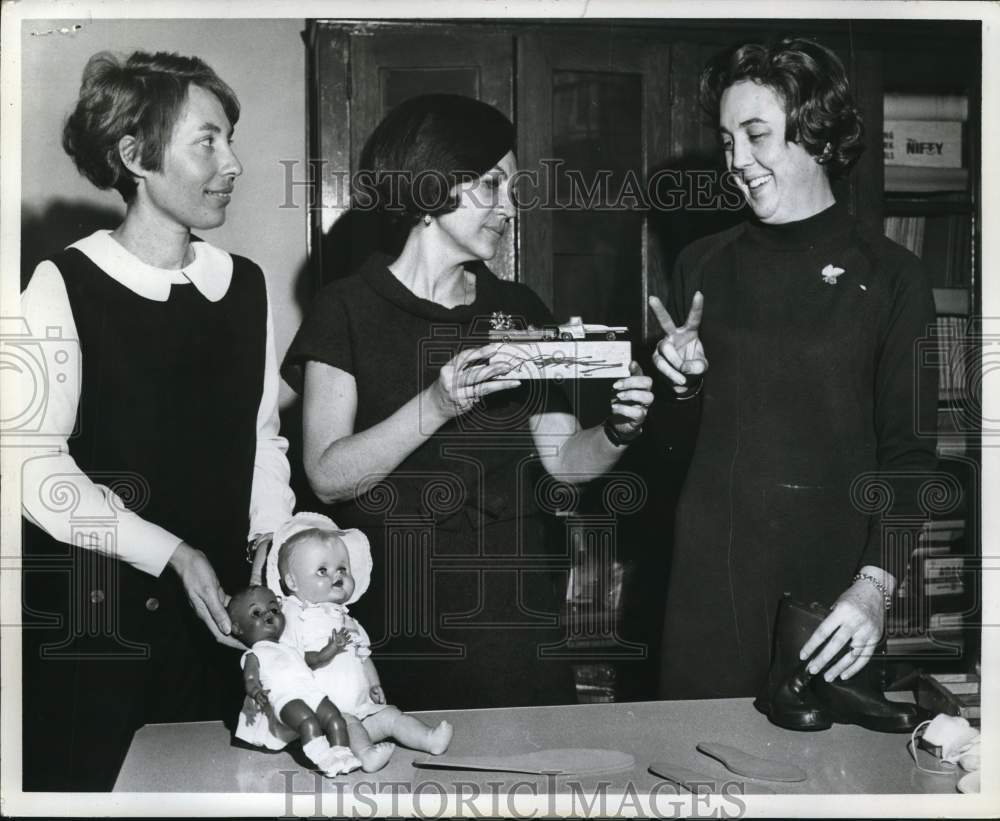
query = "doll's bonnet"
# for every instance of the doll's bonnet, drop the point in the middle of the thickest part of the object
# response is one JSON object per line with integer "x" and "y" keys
{"x": 358, "y": 551}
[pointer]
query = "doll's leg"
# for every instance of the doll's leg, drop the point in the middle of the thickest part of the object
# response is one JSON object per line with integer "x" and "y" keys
{"x": 300, "y": 717}
{"x": 332, "y": 761}
{"x": 373, "y": 756}
{"x": 333, "y": 724}
{"x": 409, "y": 730}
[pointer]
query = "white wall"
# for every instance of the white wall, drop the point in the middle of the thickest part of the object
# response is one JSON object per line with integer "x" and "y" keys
{"x": 263, "y": 61}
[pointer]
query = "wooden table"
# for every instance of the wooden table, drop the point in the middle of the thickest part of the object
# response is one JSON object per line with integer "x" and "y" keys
{"x": 198, "y": 757}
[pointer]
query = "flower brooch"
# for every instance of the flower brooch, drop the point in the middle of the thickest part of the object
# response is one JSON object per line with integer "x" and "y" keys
{"x": 830, "y": 274}
{"x": 499, "y": 321}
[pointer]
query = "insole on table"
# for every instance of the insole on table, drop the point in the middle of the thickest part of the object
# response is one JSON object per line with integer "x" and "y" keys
{"x": 558, "y": 761}
{"x": 695, "y": 782}
{"x": 751, "y": 766}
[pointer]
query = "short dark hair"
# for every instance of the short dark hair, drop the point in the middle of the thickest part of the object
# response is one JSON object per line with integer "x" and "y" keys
{"x": 425, "y": 146}
{"x": 811, "y": 82}
{"x": 141, "y": 97}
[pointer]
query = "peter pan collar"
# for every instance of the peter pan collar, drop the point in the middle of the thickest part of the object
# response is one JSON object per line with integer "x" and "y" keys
{"x": 210, "y": 272}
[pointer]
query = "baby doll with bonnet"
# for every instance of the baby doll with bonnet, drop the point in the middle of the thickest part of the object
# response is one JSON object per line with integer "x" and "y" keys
{"x": 319, "y": 570}
{"x": 279, "y": 683}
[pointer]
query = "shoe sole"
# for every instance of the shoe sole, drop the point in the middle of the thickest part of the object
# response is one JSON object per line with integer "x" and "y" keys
{"x": 899, "y": 725}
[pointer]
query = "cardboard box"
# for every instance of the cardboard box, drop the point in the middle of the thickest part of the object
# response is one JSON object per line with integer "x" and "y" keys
{"x": 924, "y": 143}
{"x": 566, "y": 359}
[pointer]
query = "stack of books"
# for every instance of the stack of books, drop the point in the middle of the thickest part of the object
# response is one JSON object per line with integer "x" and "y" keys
{"x": 942, "y": 241}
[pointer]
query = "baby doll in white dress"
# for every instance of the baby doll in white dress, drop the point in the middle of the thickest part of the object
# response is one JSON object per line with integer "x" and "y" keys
{"x": 281, "y": 685}
{"x": 319, "y": 570}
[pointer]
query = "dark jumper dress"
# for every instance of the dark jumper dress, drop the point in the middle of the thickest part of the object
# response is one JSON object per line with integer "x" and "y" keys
{"x": 167, "y": 418}
{"x": 811, "y": 386}
{"x": 466, "y": 590}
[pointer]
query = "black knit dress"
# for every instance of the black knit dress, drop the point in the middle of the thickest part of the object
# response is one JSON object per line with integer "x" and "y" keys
{"x": 809, "y": 329}
{"x": 467, "y": 591}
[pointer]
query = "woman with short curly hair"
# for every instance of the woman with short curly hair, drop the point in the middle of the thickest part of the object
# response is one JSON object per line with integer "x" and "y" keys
{"x": 168, "y": 428}
{"x": 811, "y": 321}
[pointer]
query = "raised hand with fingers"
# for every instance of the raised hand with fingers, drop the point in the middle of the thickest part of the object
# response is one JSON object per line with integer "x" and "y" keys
{"x": 467, "y": 378}
{"x": 679, "y": 355}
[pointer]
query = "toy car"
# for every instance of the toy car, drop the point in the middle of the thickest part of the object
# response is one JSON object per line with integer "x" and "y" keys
{"x": 574, "y": 329}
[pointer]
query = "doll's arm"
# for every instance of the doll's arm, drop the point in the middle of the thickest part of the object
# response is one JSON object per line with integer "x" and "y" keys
{"x": 374, "y": 683}
{"x": 339, "y": 639}
{"x": 251, "y": 681}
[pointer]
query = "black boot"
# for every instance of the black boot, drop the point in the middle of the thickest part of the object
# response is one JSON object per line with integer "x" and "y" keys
{"x": 860, "y": 700}
{"x": 787, "y": 699}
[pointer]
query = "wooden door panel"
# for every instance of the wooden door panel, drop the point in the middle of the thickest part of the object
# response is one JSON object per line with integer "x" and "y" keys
{"x": 590, "y": 126}
{"x": 389, "y": 66}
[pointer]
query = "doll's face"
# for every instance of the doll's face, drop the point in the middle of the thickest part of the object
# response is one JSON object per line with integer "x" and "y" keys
{"x": 256, "y": 616}
{"x": 319, "y": 570}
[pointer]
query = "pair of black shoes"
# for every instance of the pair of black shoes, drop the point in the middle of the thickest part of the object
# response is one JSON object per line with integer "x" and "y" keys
{"x": 795, "y": 699}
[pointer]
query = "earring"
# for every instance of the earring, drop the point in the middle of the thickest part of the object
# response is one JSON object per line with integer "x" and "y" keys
{"x": 427, "y": 219}
{"x": 827, "y": 153}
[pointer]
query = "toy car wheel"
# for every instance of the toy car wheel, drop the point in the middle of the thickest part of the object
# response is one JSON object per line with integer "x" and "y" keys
{"x": 566, "y": 335}
{"x": 610, "y": 335}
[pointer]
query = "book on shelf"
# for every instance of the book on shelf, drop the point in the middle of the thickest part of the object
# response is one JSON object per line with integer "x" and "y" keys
{"x": 904, "y": 178}
{"x": 961, "y": 684}
{"x": 906, "y": 231}
{"x": 942, "y": 531}
{"x": 897, "y": 106}
{"x": 953, "y": 351}
{"x": 954, "y": 301}
{"x": 943, "y": 242}
{"x": 935, "y": 696}
{"x": 953, "y": 431}
{"x": 938, "y": 645}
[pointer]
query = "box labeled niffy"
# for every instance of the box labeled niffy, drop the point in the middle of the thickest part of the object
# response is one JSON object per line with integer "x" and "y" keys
{"x": 924, "y": 143}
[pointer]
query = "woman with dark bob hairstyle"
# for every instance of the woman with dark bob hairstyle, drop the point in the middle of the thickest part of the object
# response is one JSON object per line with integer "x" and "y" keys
{"x": 463, "y": 597}
{"x": 164, "y": 428}
{"x": 811, "y": 322}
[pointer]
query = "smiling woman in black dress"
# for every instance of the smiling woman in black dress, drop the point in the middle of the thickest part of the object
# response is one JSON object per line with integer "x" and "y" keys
{"x": 811, "y": 321}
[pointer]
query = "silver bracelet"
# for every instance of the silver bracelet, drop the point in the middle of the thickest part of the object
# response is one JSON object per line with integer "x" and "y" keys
{"x": 886, "y": 598}
{"x": 692, "y": 392}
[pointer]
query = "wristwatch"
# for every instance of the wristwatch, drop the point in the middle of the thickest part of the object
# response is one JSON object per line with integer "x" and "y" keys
{"x": 620, "y": 439}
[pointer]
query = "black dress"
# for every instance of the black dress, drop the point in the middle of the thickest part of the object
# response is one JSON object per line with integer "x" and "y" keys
{"x": 812, "y": 393}
{"x": 464, "y": 608}
{"x": 167, "y": 419}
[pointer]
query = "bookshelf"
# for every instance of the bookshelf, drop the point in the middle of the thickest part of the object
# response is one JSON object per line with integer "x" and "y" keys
{"x": 931, "y": 203}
